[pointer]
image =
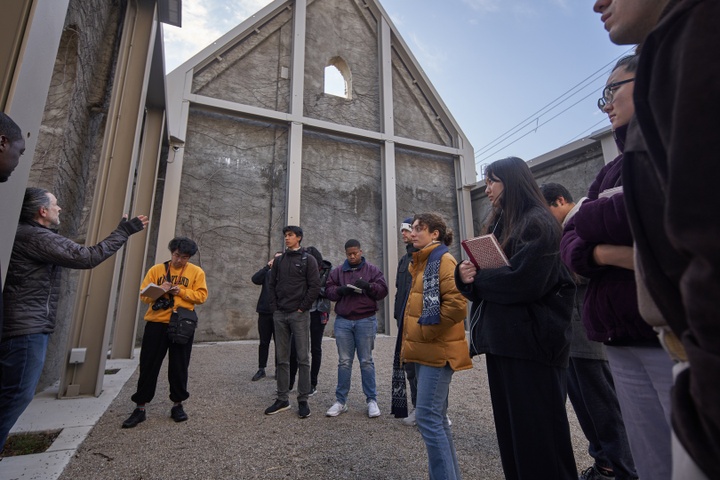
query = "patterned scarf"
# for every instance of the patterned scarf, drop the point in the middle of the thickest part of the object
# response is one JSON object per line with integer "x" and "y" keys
{"x": 399, "y": 395}
{"x": 431, "y": 288}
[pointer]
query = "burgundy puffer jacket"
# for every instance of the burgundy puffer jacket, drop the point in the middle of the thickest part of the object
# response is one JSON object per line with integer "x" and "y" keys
{"x": 610, "y": 313}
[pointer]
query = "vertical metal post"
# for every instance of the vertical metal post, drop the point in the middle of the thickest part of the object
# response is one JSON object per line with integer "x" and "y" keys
{"x": 295, "y": 134}
{"x": 389, "y": 177}
{"x": 96, "y": 296}
{"x": 125, "y": 326}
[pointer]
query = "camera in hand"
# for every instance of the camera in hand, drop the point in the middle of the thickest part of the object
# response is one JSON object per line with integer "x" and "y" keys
{"x": 163, "y": 303}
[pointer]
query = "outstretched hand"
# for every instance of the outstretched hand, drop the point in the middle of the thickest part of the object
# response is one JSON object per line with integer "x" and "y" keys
{"x": 135, "y": 225}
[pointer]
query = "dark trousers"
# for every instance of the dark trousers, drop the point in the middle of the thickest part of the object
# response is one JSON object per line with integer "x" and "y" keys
{"x": 528, "y": 400}
{"x": 592, "y": 393}
{"x": 155, "y": 344}
{"x": 317, "y": 331}
{"x": 266, "y": 329}
{"x": 412, "y": 380}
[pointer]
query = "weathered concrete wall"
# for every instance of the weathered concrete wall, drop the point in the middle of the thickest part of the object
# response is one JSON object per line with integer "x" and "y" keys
{"x": 250, "y": 71}
{"x": 232, "y": 204}
{"x": 70, "y": 139}
{"x": 234, "y": 173}
{"x": 342, "y": 199}
{"x": 426, "y": 183}
{"x": 342, "y": 28}
{"x": 575, "y": 173}
{"x": 414, "y": 116}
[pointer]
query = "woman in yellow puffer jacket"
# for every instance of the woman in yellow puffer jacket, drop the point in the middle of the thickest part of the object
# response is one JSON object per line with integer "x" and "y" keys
{"x": 433, "y": 337}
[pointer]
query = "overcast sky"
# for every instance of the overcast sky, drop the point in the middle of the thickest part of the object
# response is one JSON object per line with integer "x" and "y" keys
{"x": 497, "y": 64}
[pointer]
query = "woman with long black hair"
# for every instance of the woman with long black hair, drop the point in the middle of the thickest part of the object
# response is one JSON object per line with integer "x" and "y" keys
{"x": 520, "y": 320}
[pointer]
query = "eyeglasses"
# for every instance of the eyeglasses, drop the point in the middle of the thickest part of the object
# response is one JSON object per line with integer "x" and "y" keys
{"x": 609, "y": 92}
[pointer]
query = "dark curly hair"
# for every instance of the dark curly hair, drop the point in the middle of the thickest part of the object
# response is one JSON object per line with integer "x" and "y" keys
{"x": 184, "y": 245}
{"x": 434, "y": 221}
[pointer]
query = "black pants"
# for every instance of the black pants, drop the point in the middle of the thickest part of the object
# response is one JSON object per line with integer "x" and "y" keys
{"x": 317, "y": 331}
{"x": 266, "y": 329}
{"x": 528, "y": 400}
{"x": 155, "y": 344}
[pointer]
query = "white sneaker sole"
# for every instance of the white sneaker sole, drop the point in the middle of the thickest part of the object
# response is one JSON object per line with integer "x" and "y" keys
{"x": 336, "y": 414}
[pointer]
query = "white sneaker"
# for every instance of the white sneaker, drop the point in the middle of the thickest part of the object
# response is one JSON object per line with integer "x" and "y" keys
{"x": 373, "y": 409}
{"x": 336, "y": 410}
{"x": 410, "y": 419}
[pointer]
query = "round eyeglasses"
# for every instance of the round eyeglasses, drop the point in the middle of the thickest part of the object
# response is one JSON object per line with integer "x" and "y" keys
{"x": 609, "y": 92}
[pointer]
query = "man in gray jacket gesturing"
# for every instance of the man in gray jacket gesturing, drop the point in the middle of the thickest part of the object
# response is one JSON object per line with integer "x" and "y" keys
{"x": 31, "y": 293}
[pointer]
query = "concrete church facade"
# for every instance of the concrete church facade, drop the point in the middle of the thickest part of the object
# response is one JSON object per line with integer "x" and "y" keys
{"x": 257, "y": 143}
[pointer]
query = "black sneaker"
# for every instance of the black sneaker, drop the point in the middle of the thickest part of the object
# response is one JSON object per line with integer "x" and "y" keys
{"x": 258, "y": 375}
{"x": 303, "y": 410}
{"x": 277, "y": 407}
{"x": 178, "y": 414}
{"x": 313, "y": 391}
{"x": 595, "y": 473}
{"x": 137, "y": 416}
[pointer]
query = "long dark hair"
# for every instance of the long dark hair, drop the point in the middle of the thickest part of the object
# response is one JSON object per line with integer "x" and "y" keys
{"x": 520, "y": 194}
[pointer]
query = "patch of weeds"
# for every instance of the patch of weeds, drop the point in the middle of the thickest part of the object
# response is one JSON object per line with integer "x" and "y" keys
{"x": 27, "y": 443}
{"x": 111, "y": 371}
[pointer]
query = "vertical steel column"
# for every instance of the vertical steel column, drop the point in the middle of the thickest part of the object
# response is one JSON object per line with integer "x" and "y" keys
{"x": 125, "y": 326}
{"x": 389, "y": 175}
{"x": 25, "y": 84}
{"x": 465, "y": 180}
{"x": 295, "y": 133}
{"x": 96, "y": 296}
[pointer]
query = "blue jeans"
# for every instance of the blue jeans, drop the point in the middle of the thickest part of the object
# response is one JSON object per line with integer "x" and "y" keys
{"x": 21, "y": 363}
{"x": 352, "y": 335}
{"x": 433, "y": 387}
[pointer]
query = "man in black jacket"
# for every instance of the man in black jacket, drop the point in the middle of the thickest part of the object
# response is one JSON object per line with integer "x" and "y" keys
{"x": 670, "y": 156}
{"x": 403, "y": 282}
{"x": 266, "y": 326}
{"x": 31, "y": 294}
{"x": 294, "y": 285}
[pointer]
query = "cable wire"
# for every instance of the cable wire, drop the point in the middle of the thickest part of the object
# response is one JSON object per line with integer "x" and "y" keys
{"x": 535, "y": 117}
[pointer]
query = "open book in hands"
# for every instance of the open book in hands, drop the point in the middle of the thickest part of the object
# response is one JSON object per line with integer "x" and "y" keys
{"x": 485, "y": 252}
{"x": 153, "y": 291}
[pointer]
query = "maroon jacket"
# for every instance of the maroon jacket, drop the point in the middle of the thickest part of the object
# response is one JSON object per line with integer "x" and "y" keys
{"x": 610, "y": 313}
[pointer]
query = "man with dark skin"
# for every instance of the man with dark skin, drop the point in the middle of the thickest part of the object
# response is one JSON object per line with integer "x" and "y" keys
{"x": 12, "y": 146}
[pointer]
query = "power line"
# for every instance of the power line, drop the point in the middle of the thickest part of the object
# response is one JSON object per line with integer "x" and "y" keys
{"x": 581, "y": 134}
{"x": 531, "y": 131}
{"x": 535, "y": 117}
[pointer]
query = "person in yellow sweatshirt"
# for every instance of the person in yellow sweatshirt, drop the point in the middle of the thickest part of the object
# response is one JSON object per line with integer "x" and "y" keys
{"x": 184, "y": 284}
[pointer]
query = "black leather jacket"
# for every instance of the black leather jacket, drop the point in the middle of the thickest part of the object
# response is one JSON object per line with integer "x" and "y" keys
{"x": 32, "y": 285}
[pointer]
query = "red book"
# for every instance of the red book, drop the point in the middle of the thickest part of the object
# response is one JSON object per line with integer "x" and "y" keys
{"x": 485, "y": 252}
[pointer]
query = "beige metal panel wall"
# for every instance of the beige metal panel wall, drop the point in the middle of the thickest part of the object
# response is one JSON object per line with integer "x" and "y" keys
{"x": 124, "y": 328}
{"x": 12, "y": 33}
{"x": 95, "y": 301}
{"x": 26, "y": 93}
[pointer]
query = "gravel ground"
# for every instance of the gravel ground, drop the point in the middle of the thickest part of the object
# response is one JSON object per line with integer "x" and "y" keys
{"x": 229, "y": 437}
